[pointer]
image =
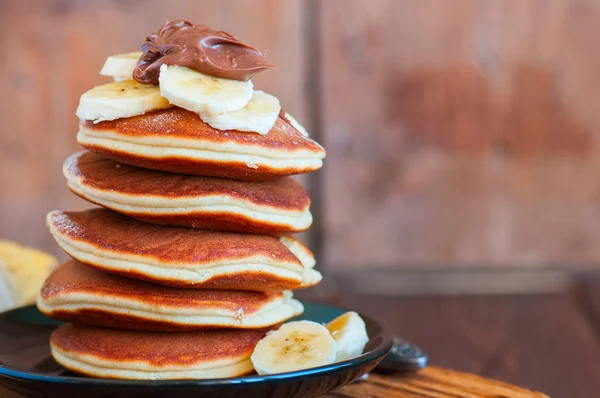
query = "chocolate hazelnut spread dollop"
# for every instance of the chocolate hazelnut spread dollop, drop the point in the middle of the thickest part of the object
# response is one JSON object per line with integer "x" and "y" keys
{"x": 198, "y": 47}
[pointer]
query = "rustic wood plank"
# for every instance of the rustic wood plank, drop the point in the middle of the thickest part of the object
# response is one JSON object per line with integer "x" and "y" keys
{"x": 541, "y": 341}
{"x": 54, "y": 52}
{"x": 460, "y": 134}
{"x": 434, "y": 383}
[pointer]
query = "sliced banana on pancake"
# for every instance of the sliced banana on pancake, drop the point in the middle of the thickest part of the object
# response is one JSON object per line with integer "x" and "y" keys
{"x": 350, "y": 335}
{"x": 120, "y": 100}
{"x": 258, "y": 116}
{"x": 295, "y": 346}
{"x": 120, "y": 66}
{"x": 198, "y": 92}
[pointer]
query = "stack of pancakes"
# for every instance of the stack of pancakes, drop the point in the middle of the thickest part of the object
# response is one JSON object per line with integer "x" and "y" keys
{"x": 189, "y": 260}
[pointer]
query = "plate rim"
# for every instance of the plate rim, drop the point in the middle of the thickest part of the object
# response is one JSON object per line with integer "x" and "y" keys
{"x": 379, "y": 351}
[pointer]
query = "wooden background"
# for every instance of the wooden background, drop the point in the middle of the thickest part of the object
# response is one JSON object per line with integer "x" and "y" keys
{"x": 460, "y": 134}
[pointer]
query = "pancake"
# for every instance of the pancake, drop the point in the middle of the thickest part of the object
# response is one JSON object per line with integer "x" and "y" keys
{"x": 271, "y": 207}
{"x": 81, "y": 294}
{"x": 183, "y": 257}
{"x": 178, "y": 141}
{"x": 126, "y": 354}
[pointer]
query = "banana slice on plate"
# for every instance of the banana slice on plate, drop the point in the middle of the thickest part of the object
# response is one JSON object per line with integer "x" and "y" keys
{"x": 120, "y": 66}
{"x": 198, "y": 92}
{"x": 119, "y": 100}
{"x": 295, "y": 124}
{"x": 350, "y": 335}
{"x": 296, "y": 345}
{"x": 258, "y": 116}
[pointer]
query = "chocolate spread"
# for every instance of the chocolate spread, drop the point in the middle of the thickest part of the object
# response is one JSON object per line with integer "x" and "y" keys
{"x": 198, "y": 47}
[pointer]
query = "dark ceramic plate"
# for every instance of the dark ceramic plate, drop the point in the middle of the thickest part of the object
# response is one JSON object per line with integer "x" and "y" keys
{"x": 27, "y": 368}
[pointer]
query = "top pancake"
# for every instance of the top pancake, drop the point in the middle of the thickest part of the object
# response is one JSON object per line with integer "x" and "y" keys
{"x": 177, "y": 140}
{"x": 270, "y": 207}
{"x": 124, "y": 354}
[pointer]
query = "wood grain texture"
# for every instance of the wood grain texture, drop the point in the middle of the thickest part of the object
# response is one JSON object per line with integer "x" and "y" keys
{"x": 56, "y": 51}
{"x": 432, "y": 382}
{"x": 460, "y": 134}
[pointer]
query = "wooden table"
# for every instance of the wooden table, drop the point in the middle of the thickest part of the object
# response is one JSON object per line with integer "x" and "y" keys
{"x": 432, "y": 382}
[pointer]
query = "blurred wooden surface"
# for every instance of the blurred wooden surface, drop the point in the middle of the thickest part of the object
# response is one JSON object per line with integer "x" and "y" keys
{"x": 460, "y": 134}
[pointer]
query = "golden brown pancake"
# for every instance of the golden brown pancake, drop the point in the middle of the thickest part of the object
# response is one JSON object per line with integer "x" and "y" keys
{"x": 77, "y": 293}
{"x": 270, "y": 207}
{"x": 183, "y": 257}
{"x": 178, "y": 141}
{"x": 126, "y": 354}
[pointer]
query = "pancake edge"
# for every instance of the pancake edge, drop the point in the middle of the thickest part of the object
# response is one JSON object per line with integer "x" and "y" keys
{"x": 71, "y": 303}
{"x": 189, "y": 273}
{"x": 130, "y": 204}
{"x": 254, "y": 163}
{"x": 286, "y": 275}
{"x": 259, "y": 260}
{"x": 207, "y": 146}
{"x": 91, "y": 366}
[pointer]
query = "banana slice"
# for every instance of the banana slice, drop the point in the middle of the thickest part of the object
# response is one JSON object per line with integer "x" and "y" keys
{"x": 198, "y": 92}
{"x": 350, "y": 335}
{"x": 296, "y": 345}
{"x": 258, "y": 116}
{"x": 120, "y": 65}
{"x": 296, "y": 125}
{"x": 119, "y": 100}
{"x": 8, "y": 291}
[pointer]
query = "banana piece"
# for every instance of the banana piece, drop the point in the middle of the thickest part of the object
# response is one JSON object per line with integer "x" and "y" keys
{"x": 350, "y": 335}
{"x": 22, "y": 272}
{"x": 296, "y": 345}
{"x": 120, "y": 66}
{"x": 259, "y": 115}
{"x": 8, "y": 291}
{"x": 119, "y": 100}
{"x": 295, "y": 124}
{"x": 198, "y": 92}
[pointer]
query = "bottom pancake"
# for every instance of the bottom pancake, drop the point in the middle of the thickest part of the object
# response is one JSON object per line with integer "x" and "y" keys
{"x": 119, "y": 354}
